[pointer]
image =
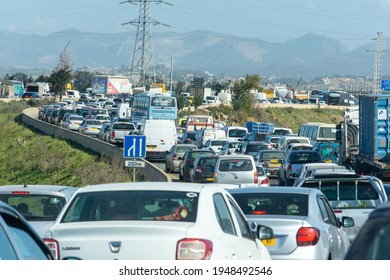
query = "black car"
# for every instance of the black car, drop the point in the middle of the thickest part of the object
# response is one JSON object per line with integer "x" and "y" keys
{"x": 203, "y": 170}
{"x": 18, "y": 240}
{"x": 372, "y": 241}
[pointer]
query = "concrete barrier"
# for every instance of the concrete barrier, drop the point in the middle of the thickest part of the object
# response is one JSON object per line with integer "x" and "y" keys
{"x": 151, "y": 172}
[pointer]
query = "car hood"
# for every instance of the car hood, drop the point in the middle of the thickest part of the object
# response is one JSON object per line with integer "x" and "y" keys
{"x": 116, "y": 240}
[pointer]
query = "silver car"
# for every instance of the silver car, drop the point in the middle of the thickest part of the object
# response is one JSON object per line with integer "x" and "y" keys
{"x": 175, "y": 155}
{"x": 304, "y": 225}
{"x": 39, "y": 204}
{"x": 236, "y": 169}
{"x": 90, "y": 127}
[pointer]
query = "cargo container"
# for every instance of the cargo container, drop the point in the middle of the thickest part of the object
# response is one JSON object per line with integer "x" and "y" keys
{"x": 261, "y": 127}
{"x": 372, "y": 154}
{"x": 108, "y": 85}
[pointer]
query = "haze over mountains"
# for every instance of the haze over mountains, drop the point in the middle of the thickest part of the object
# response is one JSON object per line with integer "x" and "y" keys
{"x": 306, "y": 57}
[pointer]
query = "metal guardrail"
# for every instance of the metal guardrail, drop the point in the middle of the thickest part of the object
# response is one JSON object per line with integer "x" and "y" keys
{"x": 150, "y": 171}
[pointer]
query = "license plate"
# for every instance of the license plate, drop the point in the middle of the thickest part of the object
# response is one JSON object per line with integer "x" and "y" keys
{"x": 328, "y": 161}
{"x": 151, "y": 147}
{"x": 269, "y": 242}
{"x": 94, "y": 128}
{"x": 274, "y": 164}
{"x": 210, "y": 179}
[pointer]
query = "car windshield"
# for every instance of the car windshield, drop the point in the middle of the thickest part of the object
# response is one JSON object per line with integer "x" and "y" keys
{"x": 133, "y": 205}
{"x": 35, "y": 207}
{"x": 272, "y": 203}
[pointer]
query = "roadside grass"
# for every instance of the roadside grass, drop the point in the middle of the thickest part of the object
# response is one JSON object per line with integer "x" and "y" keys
{"x": 32, "y": 158}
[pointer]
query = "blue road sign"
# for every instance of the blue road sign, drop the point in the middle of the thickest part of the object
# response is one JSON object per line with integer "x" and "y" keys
{"x": 386, "y": 85}
{"x": 134, "y": 146}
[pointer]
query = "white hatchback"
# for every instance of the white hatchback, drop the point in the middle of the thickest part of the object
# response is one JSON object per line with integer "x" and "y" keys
{"x": 155, "y": 221}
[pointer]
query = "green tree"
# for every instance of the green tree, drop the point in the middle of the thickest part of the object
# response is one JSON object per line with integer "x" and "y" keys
{"x": 62, "y": 74}
{"x": 82, "y": 80}
{"x": 243, "y": 98}
{"x": 198, "y": 100}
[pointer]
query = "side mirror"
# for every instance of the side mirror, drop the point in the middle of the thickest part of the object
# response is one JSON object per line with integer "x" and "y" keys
{"x": 347, "y": 222}
{"x": 264, "y": 232}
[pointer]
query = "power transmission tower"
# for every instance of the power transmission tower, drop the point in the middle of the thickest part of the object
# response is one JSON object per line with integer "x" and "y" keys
{"x": 377, "y": 77}
{"x": 143, "y": 63}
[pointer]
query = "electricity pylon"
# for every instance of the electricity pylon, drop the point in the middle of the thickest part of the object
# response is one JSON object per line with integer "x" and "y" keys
{"x": 377, "y": 77}
{"x": 143, "y": 63}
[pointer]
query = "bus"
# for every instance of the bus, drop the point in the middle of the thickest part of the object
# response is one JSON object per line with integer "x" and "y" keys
{"x": 318, "y": 131}
{"x": 153, "y": 106}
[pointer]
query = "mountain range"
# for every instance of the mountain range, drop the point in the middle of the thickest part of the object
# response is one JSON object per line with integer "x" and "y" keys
{"x": 305, "y": 57}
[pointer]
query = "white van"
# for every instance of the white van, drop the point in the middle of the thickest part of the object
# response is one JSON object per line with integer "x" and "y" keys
{"x": 74, "y": 94}
{"x": 235, "y": 133}
{"x": 160, "y": 135}
{"x": 203, "y": 135}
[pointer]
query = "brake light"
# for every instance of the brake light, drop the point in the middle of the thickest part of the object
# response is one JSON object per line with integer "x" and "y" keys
{"x": 194, "y": 249}
{"x": 262, "y": 162}
{"x": 308, "y": 236}
{"x": 258, "y": 212}
{"x": 113, "y": 134}
{"x": 53, "y": 246}
{"x": 198, "y": 169}
{"x": 338, "y": 211}
{"x": 174, "y": 156}
{"x": 20, "y": 192}
{"x": 256, "y": 177}
{"x": 265, "y": 181}
{"x": 188, "y": 161}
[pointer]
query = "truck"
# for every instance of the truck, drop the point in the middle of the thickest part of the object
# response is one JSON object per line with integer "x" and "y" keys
{"x": 260, "y": 127}
{"x": 365, "y": 143}
{"x": 109, "y": 85}
{"x": 37, "y": 90}
{"x": 200, "y": 92}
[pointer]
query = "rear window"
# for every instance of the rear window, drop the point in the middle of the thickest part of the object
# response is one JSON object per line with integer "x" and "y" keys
{"x": 35, "y": 207}
{"x": 236, "y": 165}
{"x": 194, "y": 155}
{"x": 218, "y": 143}
{"x": 91, "y": 122}
{"x": 182, "y": 149}
{"x": 236, "y": 132}
{"x": 272, "y": 155}
{"x": 347, "y": 194}
{"x": 76, "y": 118}
{"x": 124, "y": 126}
{"x": 133, "y": 205}
{"x": 273, "y": 203}
{"x": 255, "y": 147}
{"x": 304, "y": 157}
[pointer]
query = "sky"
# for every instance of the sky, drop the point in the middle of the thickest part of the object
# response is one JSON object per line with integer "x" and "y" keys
{"x": 352, "y": 22}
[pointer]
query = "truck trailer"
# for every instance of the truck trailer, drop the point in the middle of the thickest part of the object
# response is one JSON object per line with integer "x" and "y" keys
{"x": 365, "y": 144}
{"x": 109, "y": 85}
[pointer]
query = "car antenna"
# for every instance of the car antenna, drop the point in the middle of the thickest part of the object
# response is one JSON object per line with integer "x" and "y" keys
{"x": 25, "y": 185}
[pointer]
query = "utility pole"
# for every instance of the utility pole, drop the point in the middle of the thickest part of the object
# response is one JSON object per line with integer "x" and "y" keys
{"x": 142, "y": 64}
{"x": 377, "y": 77}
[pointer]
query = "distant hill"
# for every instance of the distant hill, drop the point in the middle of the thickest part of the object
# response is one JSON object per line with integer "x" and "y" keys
{"x": 308, "y": 56}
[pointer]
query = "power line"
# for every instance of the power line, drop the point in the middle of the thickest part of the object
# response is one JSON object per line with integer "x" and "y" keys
{"x": 142, "y": 65}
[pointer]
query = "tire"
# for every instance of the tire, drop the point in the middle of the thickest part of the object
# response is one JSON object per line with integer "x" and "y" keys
{"x": 166, "y": 168}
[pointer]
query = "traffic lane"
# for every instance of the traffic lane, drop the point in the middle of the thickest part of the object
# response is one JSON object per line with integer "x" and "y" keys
{"x": 175, "y": 176}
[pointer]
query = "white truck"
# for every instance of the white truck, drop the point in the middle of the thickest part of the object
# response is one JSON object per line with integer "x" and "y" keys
{"x": 160, "y": 135}
{"x": 37, "y": 90}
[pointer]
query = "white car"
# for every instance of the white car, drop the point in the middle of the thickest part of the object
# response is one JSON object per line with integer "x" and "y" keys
{"x": 40, "y": 205}
{"x": 155, "y": 221}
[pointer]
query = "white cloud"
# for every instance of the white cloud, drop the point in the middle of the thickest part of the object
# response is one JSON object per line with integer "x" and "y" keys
{"x": 45, "y": 24}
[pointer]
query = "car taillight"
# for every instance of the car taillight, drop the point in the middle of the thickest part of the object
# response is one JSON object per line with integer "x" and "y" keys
{"x": 113, "y": 134}
{"x": 265, "y": 181}
{"x": 174, "y": 156}
{"x": 194, "y": 249}
{"x": 307, "y": 236}
{"x": 262, "y": 162}
{"x": 256, "y": 177}
{"x": 197, "y": 169}
{"x": 188, "y": 161}
{"x": 53, "y": 246}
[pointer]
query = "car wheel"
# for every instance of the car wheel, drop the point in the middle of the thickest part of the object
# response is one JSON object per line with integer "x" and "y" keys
{"x": 166, "y": 167}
